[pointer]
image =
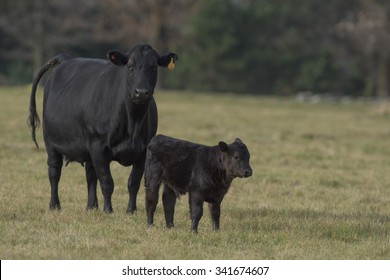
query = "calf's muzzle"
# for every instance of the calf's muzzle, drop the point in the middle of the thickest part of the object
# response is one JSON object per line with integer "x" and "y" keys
{"x": 248, "y": 173}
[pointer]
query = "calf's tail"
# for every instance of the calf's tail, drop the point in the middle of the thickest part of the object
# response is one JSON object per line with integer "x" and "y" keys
{"x": 33, "y": 120}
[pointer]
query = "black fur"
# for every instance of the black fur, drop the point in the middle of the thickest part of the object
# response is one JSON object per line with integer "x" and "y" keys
{"x": 204, "y": 172}
{"x": 97, "y": 111}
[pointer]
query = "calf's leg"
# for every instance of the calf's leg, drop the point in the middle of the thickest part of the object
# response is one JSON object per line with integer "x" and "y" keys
{"x": 215, "y": 213}
{"x": 196, "y": 205}
{"x": 54, "y": 162}
{"x": 151, "y": 200}
{"x": 169, "y": 201}
{"x": 153, "y": 172}
{"x": 91, "y": 185}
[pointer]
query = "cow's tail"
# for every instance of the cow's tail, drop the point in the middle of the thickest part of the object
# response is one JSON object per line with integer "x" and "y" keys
{"x": 33, "y": 120}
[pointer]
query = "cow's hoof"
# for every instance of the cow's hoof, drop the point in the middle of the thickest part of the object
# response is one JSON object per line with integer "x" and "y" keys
{"x": 55, "y": 207}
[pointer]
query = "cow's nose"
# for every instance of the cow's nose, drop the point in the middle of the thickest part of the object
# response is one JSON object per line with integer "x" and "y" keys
{"x": 248, "y": 173}
{"x": 141, "y": 92}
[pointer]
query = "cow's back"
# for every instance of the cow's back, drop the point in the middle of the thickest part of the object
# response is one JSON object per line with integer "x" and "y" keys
{"x": 89, "y": 86}
{"x": 80, "y": 98}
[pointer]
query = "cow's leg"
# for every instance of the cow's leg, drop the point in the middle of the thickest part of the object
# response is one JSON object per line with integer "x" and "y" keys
{"x": 196, "y": 205}
{"x": 106, "y": 184}
{"x": 134, "y": 183}
{"x": 169, "y": 201}
{"x": 54, "y": 162}
{"x": 103, "y": 173}
{"x": 215, "y": 212}
{"x": 91, "y": 185}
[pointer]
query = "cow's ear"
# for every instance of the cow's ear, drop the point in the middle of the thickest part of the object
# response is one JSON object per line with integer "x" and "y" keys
{"x": 117, "y": 58}
{"x": 223, "y": 147}
{"x": 238, "y": 140}
{"x": 168, "y": 60}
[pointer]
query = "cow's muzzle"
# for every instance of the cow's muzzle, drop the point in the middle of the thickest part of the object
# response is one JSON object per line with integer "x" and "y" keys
{"x": 141, "y": 95}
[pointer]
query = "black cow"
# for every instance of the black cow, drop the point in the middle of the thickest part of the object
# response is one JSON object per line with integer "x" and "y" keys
{"x": 97, "y": 111}
{"x": 204, "y": 172}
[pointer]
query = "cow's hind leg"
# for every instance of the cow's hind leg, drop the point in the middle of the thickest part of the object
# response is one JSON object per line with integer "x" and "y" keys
{"x": 106, "y": 183}
{"x": 103, "y": 173}
{"x": 91, "y": 185}
{"x": 54, "y": 162}
{"x": 134, "y": 183}
{"x": 169, "y": 201}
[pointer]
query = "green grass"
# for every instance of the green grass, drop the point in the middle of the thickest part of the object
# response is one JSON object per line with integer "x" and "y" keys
{"x": 320, "y": 188}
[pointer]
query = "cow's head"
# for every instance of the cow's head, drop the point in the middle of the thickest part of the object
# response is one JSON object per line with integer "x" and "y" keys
{"x": 141, "y": 64}
{"x": 235, "y": 159}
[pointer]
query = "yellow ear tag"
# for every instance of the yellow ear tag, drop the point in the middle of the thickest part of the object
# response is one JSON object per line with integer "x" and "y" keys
{"x": 171, "y": 64}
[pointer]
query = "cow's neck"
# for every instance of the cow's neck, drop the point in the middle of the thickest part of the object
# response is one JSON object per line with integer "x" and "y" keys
{"x": 127, "y": 124}
{"x": 136, "y": 116}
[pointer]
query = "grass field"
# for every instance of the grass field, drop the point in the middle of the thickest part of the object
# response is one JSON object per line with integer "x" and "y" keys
{"x": 320, "y": 188}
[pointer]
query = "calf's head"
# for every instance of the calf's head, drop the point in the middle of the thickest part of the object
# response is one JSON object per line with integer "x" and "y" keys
{"x": 141, "y": 64}
{"x": 235, "y": 159}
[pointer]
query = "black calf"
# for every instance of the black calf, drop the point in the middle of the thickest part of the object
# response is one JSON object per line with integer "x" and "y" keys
{"x": 204, "y": 172}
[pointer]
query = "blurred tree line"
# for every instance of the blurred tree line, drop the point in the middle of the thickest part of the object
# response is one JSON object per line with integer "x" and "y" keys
{"x": 243, "y": 46}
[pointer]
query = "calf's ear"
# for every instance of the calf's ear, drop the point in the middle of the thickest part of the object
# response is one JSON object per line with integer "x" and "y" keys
{"x": 168, "y": 60}
{"x": 117, "y": 58}
{"x": 238, "y": 140}
{"x": 223, "y": 147}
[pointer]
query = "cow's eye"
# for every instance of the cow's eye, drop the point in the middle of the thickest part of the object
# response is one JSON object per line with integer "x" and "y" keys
{"x": 236, "y": 157}
{"x": 154, "y": 68}
{"x": 130, "y": 66}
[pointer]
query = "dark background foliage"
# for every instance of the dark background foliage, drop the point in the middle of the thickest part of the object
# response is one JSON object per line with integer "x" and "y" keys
{"x": 241, "y": 46}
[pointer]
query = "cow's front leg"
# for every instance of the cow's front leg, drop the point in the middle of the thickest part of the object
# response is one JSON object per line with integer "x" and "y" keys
{"x": 134, "y": 183}
{"x": 91, "y": 185}
{"x": 215, "y": 213}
